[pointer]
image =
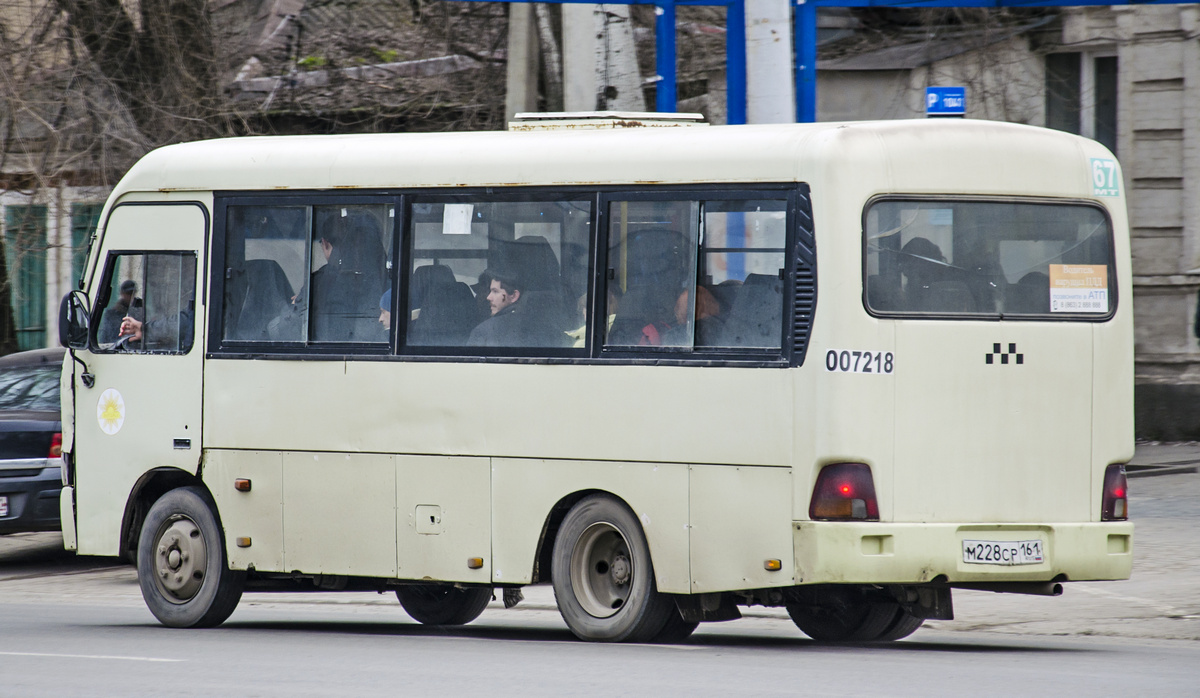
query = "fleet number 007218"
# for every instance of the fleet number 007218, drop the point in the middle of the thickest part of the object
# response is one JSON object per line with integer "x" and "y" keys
{"x": 860, "y": 361}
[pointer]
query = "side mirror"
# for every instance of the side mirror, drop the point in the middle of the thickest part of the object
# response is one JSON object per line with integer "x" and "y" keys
{"x": 73, "y": 320}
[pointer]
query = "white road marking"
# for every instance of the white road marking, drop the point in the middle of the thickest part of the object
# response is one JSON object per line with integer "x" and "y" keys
{"x": 88, "y": 656}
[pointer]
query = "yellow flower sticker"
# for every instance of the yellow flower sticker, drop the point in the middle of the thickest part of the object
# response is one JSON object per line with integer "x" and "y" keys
{"x": 110, "y": 411}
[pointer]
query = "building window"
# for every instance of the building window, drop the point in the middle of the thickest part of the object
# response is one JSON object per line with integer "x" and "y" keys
{"x": 25, "y": 257}
{"x": 1081, "y": 95}
{"x": 84, "y": 219}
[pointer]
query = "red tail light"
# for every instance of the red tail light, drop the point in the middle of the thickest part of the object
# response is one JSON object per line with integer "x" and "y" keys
{"x": 844, "y": 491}
{"x": 1115, "y": 504}
{"x": 56, "y": 446}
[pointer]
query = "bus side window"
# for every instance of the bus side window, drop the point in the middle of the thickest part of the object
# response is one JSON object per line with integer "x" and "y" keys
{"x": 498, "y": 274}
{"x": 300, "y": 273}
{"x": 265, "y": 262}
{"x": 149, "y": 304}
{"x": 696, "y": 274}
{"x": 652, "y": 264}
{"x": 742, "y": 263}
{"x": 349, "y": 273}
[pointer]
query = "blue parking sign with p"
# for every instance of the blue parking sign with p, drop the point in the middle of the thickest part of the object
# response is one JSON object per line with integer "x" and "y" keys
{"x": 945, "y": 101}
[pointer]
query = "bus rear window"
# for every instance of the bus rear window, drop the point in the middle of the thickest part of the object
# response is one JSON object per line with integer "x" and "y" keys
{"x": 989, "y": 258}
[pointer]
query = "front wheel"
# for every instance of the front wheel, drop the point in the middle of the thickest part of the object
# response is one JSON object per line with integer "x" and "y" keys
{"x": 603, "y": 577}
{"x": 181, "y": 562}
{"x": 443, "y": 604}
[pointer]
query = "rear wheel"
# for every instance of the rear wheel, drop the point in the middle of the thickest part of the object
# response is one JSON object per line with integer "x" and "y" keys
{"x": 443, "y": 604}
{"x": 843, "y": 614}
{"x": 903, "y": 625}
{"x": 181, "y": 562}
{"x": 603, "y": 577}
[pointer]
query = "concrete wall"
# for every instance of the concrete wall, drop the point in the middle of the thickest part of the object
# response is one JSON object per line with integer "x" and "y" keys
{"x": 1158, "y": 144}
{"x": 864, "y": 94}
{"x": 1004, "y": 82}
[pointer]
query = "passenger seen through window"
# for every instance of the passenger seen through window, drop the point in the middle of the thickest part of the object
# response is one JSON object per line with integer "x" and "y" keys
{"x": 696, "y": 274}
{"x": 500, "y": 274}
{"x": 306, "y": 273}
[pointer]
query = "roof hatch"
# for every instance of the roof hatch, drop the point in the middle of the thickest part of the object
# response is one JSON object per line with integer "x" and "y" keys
{"x": 545, "y": 121}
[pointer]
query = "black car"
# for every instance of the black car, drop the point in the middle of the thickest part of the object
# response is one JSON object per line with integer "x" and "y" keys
{"x": 30, "y": 441}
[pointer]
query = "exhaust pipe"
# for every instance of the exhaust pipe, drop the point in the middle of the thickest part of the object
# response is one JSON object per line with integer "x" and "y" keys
{"x": 1033, "y": 588}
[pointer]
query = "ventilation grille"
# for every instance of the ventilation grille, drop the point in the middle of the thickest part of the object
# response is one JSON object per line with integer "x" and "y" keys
{"x": 804, "y": 303}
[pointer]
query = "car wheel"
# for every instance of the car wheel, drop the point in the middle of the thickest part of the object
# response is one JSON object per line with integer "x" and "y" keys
{"x": 842, "y": 614}
{"x": 181, "y": 562}
{"x": 443, "y": 604}
{"x": 603, "y": 577}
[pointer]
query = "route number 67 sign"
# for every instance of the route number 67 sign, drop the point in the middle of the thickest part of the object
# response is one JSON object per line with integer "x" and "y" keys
{"x": 1105, "y": 180}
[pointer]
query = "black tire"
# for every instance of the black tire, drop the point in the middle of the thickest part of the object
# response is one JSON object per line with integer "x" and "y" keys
{"x": 603, "y": 576}
{"x": 676, "y": 630}
{"x": 181, "y": 562}
{"x": 842, "y": 614}
{"x": 903, "y": 625}
{"x": 443, "y": 604}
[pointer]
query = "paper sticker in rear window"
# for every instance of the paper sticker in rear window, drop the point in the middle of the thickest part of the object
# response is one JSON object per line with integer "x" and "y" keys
{"x": 1078, "y": 288}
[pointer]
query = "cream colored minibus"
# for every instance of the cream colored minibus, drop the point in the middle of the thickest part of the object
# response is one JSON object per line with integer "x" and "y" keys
{"x": 838, "y": 368}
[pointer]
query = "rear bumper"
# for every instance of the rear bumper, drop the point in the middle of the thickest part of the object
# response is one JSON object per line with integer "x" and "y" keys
{"x": 903, "y": 553}
{"x": 30, "y": 488}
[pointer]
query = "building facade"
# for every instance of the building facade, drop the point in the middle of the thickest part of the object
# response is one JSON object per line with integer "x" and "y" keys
{"x": 1126, "y": 76}
{"x": 45, "y": 237}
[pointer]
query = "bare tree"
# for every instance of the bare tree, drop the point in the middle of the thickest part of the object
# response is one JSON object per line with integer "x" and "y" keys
{"x": 158, "y": 56}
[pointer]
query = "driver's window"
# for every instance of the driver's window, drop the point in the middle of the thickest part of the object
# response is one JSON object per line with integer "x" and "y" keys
{"x": 148, "y": 303}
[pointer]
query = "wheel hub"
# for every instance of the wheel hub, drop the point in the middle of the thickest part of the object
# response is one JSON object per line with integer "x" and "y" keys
{"x": 602, "y": 570}
{"x": 621, "y": 569}
{"x": 180, "y": 560}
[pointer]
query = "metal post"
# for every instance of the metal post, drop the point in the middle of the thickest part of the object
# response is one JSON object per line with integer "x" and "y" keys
{"x": 664, "y": 55}
{"x": 735, "y": 62}
{"x": 805, "y": 15}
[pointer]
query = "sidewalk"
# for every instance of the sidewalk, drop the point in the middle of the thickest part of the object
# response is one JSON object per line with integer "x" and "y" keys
{"x": 1157, "y": 458}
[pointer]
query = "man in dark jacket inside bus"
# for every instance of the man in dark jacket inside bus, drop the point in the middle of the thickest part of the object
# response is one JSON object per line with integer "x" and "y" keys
{"x": 507, "y": 326}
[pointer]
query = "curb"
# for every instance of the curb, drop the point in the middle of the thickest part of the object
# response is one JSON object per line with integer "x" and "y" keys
{"x": 1179, "y": 468}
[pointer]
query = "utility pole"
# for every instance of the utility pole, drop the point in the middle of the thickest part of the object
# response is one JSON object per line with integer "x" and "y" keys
{"x": 523, "y": 64}
{"x": 600, "y": 71}
{"x": 770, "y": 94}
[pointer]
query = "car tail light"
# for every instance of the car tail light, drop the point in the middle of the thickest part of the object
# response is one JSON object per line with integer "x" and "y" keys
{"x": 56, "y": 446}
{"x": 1115, "y": 504}
{"x": 844, "y": 491}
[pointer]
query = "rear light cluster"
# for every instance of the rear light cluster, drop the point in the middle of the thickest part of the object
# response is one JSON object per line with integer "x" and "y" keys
{"x": 55, "y": 446}
{"x": 844, "y": 492}
{"x": 1115, "y": 504}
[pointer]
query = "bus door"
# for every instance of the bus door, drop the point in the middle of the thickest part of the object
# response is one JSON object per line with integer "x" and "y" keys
{"x": 143, "y": 410}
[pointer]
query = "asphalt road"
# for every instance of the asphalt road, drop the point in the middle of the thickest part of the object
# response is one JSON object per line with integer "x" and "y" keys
{"x": 77, "y": 627}
{"x": 312, "y": 650}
